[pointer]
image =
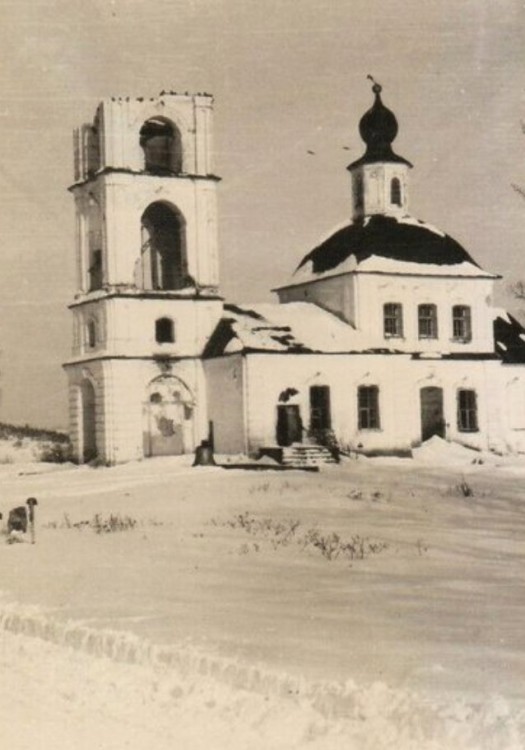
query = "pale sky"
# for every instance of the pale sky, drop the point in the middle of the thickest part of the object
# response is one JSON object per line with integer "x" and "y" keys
{"x": 288, "y": 76}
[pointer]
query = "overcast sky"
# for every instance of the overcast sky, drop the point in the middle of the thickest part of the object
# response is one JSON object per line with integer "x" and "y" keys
{"x": 289, "y": 76}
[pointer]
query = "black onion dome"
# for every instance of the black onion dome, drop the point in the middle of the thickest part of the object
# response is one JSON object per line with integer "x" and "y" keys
{"x": 387, "y": 237}
{"x": 378, "y": 128}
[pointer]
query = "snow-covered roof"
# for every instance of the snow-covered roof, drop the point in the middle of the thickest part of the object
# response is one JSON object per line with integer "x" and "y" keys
{"x": 294, "y": 327}
{"x": 387, "y": 244}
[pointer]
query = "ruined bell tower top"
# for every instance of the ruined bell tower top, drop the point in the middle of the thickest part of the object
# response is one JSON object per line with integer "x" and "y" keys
{"x": 170, "y": 134}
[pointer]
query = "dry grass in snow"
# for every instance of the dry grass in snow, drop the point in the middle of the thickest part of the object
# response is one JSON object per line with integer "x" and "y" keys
{"x": 378, "y": 604}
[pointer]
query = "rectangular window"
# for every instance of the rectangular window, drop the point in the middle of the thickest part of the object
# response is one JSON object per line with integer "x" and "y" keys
{"x": 393, "y": 320}
{"x": 368, "y": 407}
{"x": 427, "y": 322}
{"x": 467, "y": 411}
{"x": 461, "y": 323}
{"x": 95, "y": 270}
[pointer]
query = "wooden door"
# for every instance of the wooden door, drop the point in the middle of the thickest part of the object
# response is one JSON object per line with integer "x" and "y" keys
{"x": 289, "y": 424}
{"x": 320, "y": 416}
{"x": 432, "y": 418}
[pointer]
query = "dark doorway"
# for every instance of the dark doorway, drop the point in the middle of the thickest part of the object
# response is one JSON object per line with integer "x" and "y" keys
{"x": 432, "y": 419}
{"x": 289, "y": 424}
{"x": 320, "y": 416}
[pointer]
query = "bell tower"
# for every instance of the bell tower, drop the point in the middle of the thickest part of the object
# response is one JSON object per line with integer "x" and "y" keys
{"x": 147, "y": 295}
{"x": 380, "y": 176}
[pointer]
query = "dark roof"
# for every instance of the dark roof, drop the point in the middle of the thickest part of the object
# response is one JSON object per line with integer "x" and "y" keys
{"x": 387, "y": 237}
{"x": 509, "y": 339}
{"x": 378, "y": 128}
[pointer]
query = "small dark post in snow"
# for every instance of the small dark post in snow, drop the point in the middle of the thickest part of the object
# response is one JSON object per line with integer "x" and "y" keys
{"x": 31, "y": 502}
{"x": 204, "y": 454}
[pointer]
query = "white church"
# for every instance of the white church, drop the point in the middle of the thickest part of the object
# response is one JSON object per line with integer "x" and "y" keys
{"x": 384, "y": 336}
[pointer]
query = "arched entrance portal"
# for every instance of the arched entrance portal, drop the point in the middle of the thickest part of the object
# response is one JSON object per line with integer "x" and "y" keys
{"x": 89, "y": 435}
{"x": 168, "y": 418}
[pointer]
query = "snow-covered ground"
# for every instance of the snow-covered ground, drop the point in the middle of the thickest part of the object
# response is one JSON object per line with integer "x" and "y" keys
{"x": 377, "y": 604}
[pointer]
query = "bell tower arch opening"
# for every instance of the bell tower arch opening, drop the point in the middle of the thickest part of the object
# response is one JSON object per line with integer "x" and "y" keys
{"x": 163, "y": 254}
{"x": 161, "y": 142}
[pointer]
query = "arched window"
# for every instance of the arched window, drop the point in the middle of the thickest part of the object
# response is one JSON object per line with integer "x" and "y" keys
{"x": 163, "y": 248}
{"x": 164, "y": 333}
{"x": 395, "y": 192}
{"x": 161, "y": 143}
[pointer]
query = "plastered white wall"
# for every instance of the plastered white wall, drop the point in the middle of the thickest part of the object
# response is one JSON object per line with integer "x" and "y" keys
{"x": 399, "y": 379}
{"x": 226, "y": 403}
{"x": 126, "y": 326}
{"x": 121, "y": 394}
{"x": 335, "y": 294}
{"x": 373, "y": 182}
{"x": 373, "y": 291}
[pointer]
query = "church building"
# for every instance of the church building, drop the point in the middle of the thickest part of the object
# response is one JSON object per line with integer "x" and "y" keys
{"x": 384, "y": 336}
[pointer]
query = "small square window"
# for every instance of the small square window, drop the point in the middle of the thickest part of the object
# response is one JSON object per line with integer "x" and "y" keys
{"x": 164, "y": 331}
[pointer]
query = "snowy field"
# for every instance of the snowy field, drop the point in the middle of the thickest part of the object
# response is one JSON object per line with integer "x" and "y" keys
{"x": 377, "y": 604}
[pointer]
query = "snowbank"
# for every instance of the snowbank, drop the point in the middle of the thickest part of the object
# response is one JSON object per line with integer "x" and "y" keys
{"x": 437, "y": 452}
{"x": 67, "y": 684}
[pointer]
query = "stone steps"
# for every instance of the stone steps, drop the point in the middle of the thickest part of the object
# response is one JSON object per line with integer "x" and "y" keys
{"x": 306, "y": 455}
